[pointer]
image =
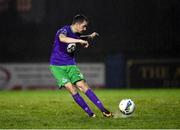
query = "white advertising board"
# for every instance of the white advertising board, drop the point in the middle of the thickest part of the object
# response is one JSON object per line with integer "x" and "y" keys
{"x": 38, "y": 75}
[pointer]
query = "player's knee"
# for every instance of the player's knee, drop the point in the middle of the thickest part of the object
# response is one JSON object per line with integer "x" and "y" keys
{"x": 71, "y": 88}
{"x": 82, "y": 86}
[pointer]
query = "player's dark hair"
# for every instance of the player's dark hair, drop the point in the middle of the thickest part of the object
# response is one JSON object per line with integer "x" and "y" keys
{"x": 79, "y": 18}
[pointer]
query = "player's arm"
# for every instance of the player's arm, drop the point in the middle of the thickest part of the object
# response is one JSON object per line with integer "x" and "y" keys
{"x": 65, "y": 39}
{"x": 90, "y": 36}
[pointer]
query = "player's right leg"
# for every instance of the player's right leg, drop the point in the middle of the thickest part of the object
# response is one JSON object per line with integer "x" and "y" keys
{"x": 78, "y": 99}
{"x": 82, "y": 85}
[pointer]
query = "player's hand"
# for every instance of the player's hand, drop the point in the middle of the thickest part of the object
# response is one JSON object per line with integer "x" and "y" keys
{"x": 84, "y": 43}
{"x": 93, "y": 35}
{"x": 86, "y": 46}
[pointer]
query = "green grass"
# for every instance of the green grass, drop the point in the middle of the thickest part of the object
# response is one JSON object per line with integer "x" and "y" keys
{"x": 155, "y": 108}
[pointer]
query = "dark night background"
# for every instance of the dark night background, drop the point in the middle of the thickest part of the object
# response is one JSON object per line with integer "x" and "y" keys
{"x": 132, "y": 28}
{"x": 129, "y": 30}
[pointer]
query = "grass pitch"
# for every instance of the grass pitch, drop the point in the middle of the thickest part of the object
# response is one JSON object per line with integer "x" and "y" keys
{"x": 155, "y": 108}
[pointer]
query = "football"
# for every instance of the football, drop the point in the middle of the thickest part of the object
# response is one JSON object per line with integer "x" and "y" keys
{"x": 127, "y": 106}
{"x": 71, "y": 47}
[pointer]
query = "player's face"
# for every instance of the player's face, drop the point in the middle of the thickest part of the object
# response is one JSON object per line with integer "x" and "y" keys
{"x": 82, "y": 27}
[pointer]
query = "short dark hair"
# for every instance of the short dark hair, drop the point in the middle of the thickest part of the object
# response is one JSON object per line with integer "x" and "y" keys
{"x": 79, "y": 18}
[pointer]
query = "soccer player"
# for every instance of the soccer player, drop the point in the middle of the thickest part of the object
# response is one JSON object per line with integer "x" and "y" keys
{"x": 63, "y": 65}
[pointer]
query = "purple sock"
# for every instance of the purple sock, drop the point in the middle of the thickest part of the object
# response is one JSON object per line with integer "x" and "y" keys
{"x": 91, "y": 95}
{"x": 80, "y": 101}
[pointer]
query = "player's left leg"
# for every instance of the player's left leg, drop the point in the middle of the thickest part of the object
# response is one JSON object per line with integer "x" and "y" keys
{"x": 83, "y": 86}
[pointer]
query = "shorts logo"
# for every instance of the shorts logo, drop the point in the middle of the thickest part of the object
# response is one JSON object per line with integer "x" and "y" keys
{"x": 80, "y": 75}
{"x": 64, "y": 80}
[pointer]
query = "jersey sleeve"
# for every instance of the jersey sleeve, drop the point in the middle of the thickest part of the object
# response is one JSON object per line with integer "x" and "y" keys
{"x": 63, "y": 31}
